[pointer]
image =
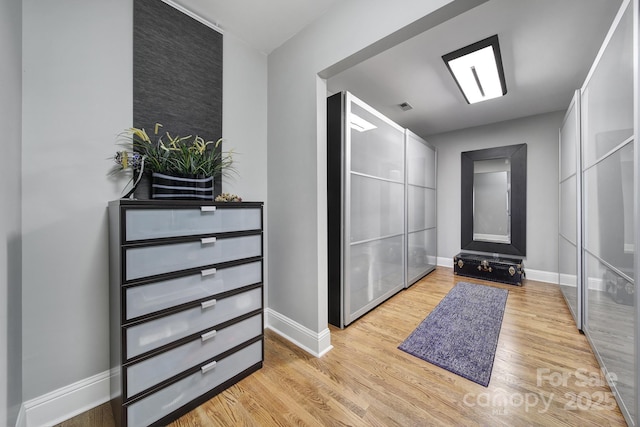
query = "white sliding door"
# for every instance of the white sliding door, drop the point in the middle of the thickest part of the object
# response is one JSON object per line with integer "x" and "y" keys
{"x": 609, "y": 245}
{"x": 374, "y": 216}
{"x": 366, "y": 208}
{"x": 570, "y": 226}
{"x": 421, "y": 207}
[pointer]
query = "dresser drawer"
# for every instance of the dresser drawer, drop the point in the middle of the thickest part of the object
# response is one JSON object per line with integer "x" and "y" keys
{"x": 152, "y": 371}
{"x": 151, "y": 260}
{"x": 158, "y": 223}
{"x": 163, "y": 402}
{"x": 164, "y": 330}
{"x": 145, "y": 299}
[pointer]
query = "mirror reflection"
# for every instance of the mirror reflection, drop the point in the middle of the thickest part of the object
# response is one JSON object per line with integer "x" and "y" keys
{"x": 493, "y": 206}
{"x": 491, "y": 211}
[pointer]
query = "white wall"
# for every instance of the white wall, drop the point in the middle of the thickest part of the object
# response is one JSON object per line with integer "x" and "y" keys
{"x": 77, "y": 90}
{"x": 10, "y": 221}
{"x": 244, "y": 125}
{"x": 540, "y": 133}
{"x": 77, "y": 98}
{"x": 296, "y": 152}
{"x": 244, "y": 118}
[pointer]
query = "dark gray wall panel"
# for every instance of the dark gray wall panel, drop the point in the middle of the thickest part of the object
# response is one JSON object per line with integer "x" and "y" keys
{"x": 177, "y": 73}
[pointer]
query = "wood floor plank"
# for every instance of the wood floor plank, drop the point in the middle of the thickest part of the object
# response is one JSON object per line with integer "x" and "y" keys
{"x": 365, "y": 380}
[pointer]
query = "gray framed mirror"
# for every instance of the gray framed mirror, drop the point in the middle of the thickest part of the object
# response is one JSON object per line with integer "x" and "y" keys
{"x": 494, "y": 200}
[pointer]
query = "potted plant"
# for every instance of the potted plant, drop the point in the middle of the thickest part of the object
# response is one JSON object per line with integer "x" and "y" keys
{"x": 180, "y": 167}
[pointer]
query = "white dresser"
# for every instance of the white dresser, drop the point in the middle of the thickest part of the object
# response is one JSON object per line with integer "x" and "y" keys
{"x": 186, "y": 304}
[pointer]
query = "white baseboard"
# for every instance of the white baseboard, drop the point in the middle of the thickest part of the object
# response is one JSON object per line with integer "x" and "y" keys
{"x": 445, "y": 262}
{"x": 66, "y": 402}
{"x": 568, "y": 280}
{"x": 596, "y": 284}
{"x": 541, "y": 276}
{"x": 316, "y": 344}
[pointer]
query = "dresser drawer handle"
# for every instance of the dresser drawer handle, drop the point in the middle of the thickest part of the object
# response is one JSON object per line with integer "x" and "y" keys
{"x": 209, "y": 366}
{"x": 207, "y": 304}
{"x": 208, "y": 335}
{"x": 206, "y": 240}
{"x": 208, "y": 272}
{"x": 207, "y": 208}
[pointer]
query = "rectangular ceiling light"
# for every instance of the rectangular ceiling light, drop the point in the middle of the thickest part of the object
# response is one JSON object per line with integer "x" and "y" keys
{"x": 477, "y": 69}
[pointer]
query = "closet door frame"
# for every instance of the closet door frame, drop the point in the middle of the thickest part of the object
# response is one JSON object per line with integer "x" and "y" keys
{"x": 636, "y": 180}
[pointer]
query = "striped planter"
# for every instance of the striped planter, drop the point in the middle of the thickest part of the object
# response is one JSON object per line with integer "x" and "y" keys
{"x": 169, "y": 187}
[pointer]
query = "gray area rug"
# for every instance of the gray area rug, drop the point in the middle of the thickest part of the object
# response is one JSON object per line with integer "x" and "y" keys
{"x": 461, "y": 333}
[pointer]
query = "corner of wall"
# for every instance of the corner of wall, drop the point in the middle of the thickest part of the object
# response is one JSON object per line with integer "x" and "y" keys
{"x": 316, "y": 344}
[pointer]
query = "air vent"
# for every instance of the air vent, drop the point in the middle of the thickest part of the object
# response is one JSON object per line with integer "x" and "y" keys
{"x": 406, "y": 106}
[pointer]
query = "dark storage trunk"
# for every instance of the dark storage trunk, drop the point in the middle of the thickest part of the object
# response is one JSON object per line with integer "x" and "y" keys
{"x": 504, "y": 270}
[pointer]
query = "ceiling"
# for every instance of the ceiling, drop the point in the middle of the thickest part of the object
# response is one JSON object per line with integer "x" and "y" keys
{"x": 265, "y": 25}
{"x": 547, "y": 49}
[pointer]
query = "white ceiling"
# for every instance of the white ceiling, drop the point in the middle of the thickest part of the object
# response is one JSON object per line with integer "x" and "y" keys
{"x": 547, "y": 47}
{"x": 263, "y": 24}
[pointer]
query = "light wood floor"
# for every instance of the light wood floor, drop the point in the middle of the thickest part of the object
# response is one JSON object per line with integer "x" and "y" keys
{"x": 544, "y": 374}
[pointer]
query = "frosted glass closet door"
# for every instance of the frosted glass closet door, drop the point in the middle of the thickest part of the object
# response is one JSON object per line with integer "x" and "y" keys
{"x": 608, "y": 147}
{"x": 569, "y": 236}
{"x": 421, "y": 207}
{"x": 375, "y": 212}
